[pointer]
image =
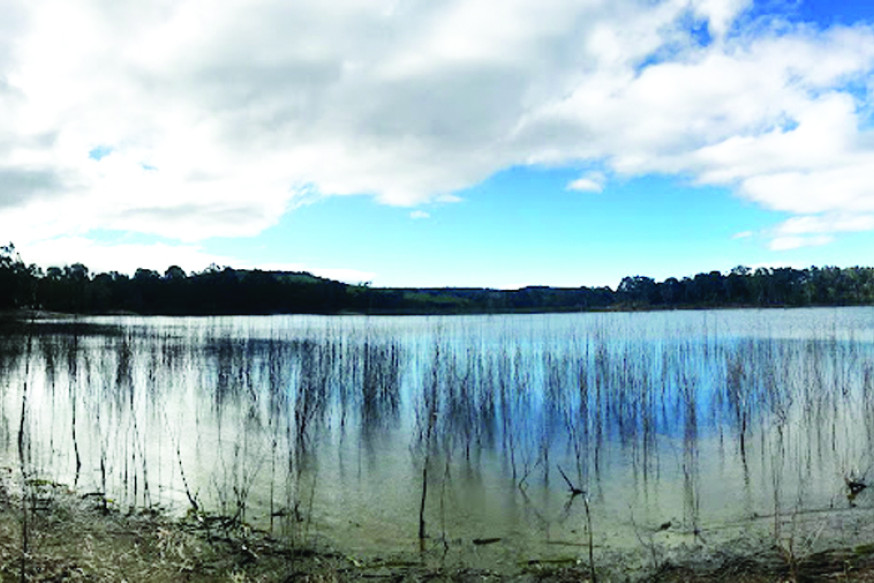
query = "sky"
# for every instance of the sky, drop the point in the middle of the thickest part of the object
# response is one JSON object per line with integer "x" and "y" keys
{"x": 486, "y": 143}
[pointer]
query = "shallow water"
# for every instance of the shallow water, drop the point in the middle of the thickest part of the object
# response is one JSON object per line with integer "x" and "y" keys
{"x": 721, "y": 423}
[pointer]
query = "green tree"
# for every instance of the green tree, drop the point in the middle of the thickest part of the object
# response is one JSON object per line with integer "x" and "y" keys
{"x": 638, "y": 290}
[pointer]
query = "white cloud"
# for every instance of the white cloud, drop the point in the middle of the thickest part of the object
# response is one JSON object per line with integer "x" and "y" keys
{"x": 814, "y": 224}
{"x": 219, "y": 117}
{"x": 811, "y": 230}
{"x": 591, "y": 182}
{"x": 719, "y": 14}
{"x": 785, "y": 243}
{"x": 419, "y": 215}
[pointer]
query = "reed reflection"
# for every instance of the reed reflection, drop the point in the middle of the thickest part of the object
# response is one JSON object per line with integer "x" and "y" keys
{"x": 438, "y": 428}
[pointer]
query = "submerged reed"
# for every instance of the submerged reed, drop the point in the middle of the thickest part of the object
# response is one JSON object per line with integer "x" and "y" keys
{"x": 319, "y": 427}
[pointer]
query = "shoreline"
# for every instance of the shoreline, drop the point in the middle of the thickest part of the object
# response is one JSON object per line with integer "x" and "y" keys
{"x": 25, "y": 316}
{"x": 48, "y": 532}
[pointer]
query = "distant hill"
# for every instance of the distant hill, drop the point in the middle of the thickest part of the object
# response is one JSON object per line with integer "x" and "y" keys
{"x": 217, "y": 290}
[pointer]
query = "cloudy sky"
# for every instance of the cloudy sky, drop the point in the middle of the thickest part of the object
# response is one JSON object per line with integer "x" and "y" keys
{"x": 439, "y": 142}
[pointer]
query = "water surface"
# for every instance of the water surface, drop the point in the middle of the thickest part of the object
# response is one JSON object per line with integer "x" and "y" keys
{"x": 683, "y": 428}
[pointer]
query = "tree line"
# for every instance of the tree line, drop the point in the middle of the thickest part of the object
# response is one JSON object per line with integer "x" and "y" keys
{"x": 224, "y": 290}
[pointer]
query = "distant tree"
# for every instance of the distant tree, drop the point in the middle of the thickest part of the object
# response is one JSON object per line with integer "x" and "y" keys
{"x": 142, "y": 274}
{"x": 786, "y": 286}
{"x": 224, "y": 290}
{"x": 174, "y": 272}
{"x": 15, "y": 279}
{"x": 671, "y": 291}
{"x": 761, "y": 287}
{"x": 638, "y": 290}
{"x": 737, "y": 286}
{"x": 8, "y": 256}
{"x": 102, "y": 292}
{"x": 710, "y": 287}
{"x": 76, "y": 272}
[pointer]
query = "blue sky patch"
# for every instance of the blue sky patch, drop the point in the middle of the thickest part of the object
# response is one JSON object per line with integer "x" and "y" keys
{"x": 100, "y": 152}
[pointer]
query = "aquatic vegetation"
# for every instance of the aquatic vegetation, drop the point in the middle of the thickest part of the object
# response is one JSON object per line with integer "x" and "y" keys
{"x": 376, "y": 433}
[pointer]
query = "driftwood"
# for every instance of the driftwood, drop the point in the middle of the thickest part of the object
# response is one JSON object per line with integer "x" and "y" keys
{"x": 576, "y": 491}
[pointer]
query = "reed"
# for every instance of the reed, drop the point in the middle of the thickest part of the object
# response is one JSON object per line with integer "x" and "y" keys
{"x": 277, "y": 423}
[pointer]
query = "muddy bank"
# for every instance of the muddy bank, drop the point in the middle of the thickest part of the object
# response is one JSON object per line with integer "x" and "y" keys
{"x": 54, "y": 534}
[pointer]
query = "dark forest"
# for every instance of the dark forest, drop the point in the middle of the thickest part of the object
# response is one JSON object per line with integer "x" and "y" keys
{"x": 225, "y": 291}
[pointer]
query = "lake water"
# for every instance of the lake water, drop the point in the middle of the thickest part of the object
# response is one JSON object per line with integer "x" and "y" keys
{"x": 685, "y": 429}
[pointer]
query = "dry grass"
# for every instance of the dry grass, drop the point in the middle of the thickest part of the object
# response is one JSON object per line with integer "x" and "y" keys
{"x": 71, "y": 538}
